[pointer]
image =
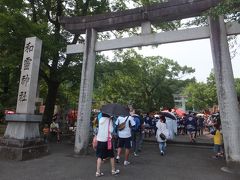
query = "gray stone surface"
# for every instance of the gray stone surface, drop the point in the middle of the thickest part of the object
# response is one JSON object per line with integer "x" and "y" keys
{"x": 22, "y": 130}
{"x": 21, "y": 138}
{"x": 23, "y": 118}
{"x": 160, "y": 12}
{"x": 180, "y": 162}
{"x": 227, "y": 95}
{"x": 13, "y": 149}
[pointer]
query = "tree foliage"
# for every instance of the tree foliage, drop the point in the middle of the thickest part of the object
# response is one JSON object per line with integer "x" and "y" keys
{"x": 41, "y": 18}
{"x": 145, "y": 82}
{"x": 204, "y": 95}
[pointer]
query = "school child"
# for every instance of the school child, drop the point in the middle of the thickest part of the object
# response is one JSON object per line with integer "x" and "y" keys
{"x": 46, "y": 131}
{"x": 162, "y": 134}
{"x": 218, "y": 141}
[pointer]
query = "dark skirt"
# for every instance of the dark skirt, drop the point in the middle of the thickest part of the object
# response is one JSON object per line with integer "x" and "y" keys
{"x": 102, "y": 151}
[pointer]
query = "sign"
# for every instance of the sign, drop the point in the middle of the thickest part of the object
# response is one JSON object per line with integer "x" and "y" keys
{"x": 29, "y": 76}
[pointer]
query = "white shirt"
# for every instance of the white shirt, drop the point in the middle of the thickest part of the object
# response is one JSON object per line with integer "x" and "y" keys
{"x": 161, "y": 128}
{"x": 54, "y": 125}
{"x": 126, "y": 132}
{"x": 171, "y": 126}
{"x": 103, "y": 129}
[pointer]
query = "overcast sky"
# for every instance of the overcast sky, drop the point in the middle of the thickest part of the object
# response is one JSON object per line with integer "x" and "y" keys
{"x": 195, "y": 54}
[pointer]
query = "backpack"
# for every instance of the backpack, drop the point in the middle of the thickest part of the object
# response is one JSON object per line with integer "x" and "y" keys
{"x": 137, "y": 126}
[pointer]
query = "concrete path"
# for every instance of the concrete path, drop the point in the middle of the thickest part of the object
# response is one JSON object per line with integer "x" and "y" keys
{"x": 204, "y": 140}
{"x": 181, "y": 162}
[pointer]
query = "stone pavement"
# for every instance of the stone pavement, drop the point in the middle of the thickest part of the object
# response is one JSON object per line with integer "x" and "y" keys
{"x": 204, "y": 140}
{"x": 182, "y": 162}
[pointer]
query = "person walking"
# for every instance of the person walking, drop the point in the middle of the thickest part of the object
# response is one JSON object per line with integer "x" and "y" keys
{"x": 136, "y": 133}
{"x": 217, "y": 141}
{"x": 142, "y": 133}
{"x": 124, "y": 137}
{"x": 162, "y": 134}
{"x": 104, "y": 148}
{"x": 54, "y": 129}
{"x": 191, "y": 125}
{"x": 171, "y": 125}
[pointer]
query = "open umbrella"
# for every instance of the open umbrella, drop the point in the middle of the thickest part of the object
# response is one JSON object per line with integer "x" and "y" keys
{"x": 167, "y": 114}
{"x": 180, "y": 112}
{"x": 200, "y": 115}
{"x": 114, "y": 109}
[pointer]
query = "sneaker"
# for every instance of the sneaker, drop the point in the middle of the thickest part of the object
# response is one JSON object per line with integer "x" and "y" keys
{"x": 215, "y": 157}
{"x": 117, "y": 159}
{"x": 126, "y": 163}
{"x": 98, "y": 174}
{"x": 115, "y": 172}
{"x": 162, "y": 153}
{"x": 135, "y": 154}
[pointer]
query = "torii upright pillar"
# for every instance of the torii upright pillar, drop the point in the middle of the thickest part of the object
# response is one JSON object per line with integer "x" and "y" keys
{"x": 85, "y": 97}
{"x": 227, "y": 96}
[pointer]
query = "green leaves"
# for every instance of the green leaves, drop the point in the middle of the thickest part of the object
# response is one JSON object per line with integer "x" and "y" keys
{"x": 144, "y": 82}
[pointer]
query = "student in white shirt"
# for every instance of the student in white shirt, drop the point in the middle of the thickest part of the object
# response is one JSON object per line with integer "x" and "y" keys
{"x": 105, "y": 129}
{"x": 124, "y": 140}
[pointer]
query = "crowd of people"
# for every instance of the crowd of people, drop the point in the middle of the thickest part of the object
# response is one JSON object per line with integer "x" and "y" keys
{"x": 113, "y": 134}
{"x": 108, "y": 129}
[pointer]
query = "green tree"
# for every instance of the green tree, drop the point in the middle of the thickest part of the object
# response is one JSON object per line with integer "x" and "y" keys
{"x": 41, "y": 18}
{"x": 144, "y": 82}
{"x": 237, "y": 85}
{"x": 14, "y": 28}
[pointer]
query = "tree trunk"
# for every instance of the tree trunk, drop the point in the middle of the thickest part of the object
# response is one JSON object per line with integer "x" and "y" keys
{"x": 50, "y": 101}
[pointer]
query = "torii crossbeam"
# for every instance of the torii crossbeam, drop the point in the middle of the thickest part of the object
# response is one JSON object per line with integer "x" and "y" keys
{"x": 156, "y": 13}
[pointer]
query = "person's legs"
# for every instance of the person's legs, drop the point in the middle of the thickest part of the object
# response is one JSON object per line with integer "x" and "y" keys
{"x": 162, "y": 148}
{"x": 128, "y": 145}
{"x": 119, "y": 151}
{"x": 134, "y": 142}
{"x": 190, "y": 135}
{"x": 114, "y": 170}
{"x": 138, "y": 137}
{"x": 127, "y": 151}
{"x": 142, "y": 134}
{"x": 115, "y": 143}
{"x": 194, "y": 136}
{"x": 98, "y": 172}
{"x": 58, "y": 136}
{"x": 99, "y": 162}
{"x": 118, "y": 154}
{"x": 112, "y": 161}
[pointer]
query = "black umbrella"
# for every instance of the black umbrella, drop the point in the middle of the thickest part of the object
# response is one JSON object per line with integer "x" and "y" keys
{"x": 114, "y": 109}
{"x": 168, "y": 114}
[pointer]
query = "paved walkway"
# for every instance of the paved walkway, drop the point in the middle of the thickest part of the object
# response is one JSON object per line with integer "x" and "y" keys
{"x": 204, "y": 140}
{"x": 181, "y": 162}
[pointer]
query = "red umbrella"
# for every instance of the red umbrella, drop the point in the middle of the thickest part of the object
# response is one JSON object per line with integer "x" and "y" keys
{"x": 9, "y": 112}
{"x": 180, "y": 112}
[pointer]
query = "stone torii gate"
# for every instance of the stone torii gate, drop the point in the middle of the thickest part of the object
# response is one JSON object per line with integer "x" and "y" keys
{"x": 170, "y": 10}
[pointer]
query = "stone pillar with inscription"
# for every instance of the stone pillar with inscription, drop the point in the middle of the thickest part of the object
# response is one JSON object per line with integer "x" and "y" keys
{"x": 22, "y": 140}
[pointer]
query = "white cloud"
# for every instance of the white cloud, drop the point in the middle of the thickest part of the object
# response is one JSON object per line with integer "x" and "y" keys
{"x": 195, "y": 54}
